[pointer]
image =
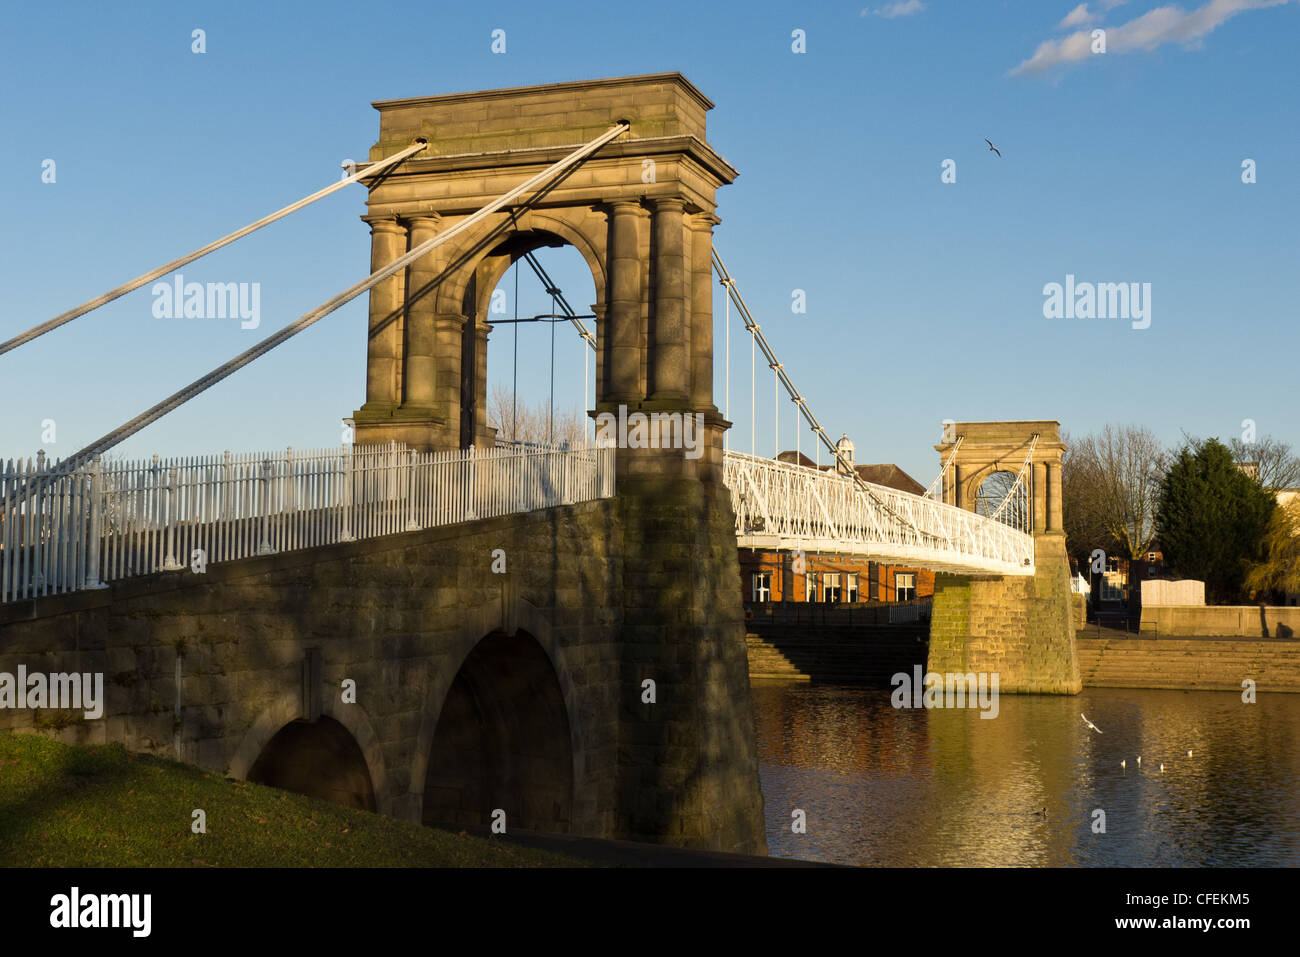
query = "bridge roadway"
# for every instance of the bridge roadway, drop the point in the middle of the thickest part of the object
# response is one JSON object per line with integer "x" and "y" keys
{"x": 781, "y": 506}
{"x": 153, "y": 517}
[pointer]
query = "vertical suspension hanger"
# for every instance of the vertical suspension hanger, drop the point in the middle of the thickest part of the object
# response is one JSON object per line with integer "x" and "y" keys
{"x": 514, "y": 382}
{"x": 550, "y": 410}
{"x": 776, "y": 412}
{"x": 586, "y": 386}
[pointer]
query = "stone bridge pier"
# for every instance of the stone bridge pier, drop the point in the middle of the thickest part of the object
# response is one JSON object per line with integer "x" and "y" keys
{"x": 1018, "y": 627}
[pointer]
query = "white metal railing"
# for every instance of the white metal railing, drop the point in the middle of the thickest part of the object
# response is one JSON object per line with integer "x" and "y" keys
{"x": 62, "y": 532}
{"x": 783, "y": 506}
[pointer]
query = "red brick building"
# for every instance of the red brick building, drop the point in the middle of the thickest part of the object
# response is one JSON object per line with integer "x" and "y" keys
{"x": 768, "y": 576}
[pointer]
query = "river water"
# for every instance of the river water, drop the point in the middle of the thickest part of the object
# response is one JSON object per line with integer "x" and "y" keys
{"x": 926, "y": 788}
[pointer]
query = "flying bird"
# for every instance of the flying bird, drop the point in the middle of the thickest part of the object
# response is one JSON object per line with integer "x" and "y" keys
{"x": 1089, "y": 723}
{"x": 993, "y": 148}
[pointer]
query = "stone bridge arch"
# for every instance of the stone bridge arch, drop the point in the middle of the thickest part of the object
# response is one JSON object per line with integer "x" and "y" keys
{"x": 514, "y": 617}
{"x": 284, "y": 713}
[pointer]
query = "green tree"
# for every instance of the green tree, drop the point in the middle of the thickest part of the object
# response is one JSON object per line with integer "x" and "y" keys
{"x": 1211, "y": 519}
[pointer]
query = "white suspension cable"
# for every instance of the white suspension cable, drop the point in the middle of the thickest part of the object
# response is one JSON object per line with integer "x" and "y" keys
{"x": 398, "y": 264}
{"x": 726, "y": 322}
{"x": 760, "y": 340}
{"x": 226, "y": 240}
{"x": 940, "y": 482}
{"x": 753, "y": 397}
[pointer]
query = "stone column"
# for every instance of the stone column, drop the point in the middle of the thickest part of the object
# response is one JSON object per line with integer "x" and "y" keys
{"x": 701, "y": 301}
{"x": 672, "y": 371}
{"x": 449, "y": 341}
{"x": 960, "y": 474}
{"x": 624, "y": 317}
{"x": 1038, "y": 493}
{"x": 1055, "y": 520}
{"x": 482, "y": 436}
{"x": 600, "y": 311}
{"x": 421, "y": 373}
{"x": 384, "y": 348}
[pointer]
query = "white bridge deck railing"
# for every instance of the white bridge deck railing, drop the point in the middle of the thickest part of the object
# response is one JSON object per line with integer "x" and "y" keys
{"x": 113, "y": 520}
{"x": 784, "y": 506}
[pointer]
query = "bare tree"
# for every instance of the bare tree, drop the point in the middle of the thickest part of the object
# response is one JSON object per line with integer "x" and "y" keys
{"x": 1276, "y": 468}
{"x": 1081, "y": 501}
{"x": 1111, "y": 484}
{"x": 533, "y": 423}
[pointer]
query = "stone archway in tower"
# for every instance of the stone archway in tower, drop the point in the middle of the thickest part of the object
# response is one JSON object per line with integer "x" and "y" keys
{"x": 556, "y": 369}
{"x": 993, "y": 490}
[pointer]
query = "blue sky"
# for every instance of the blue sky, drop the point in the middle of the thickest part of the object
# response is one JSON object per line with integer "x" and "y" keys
{"x": 924, "y": 299}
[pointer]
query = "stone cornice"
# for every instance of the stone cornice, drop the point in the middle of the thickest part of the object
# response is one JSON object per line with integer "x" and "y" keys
{"x": 514, "y": 92}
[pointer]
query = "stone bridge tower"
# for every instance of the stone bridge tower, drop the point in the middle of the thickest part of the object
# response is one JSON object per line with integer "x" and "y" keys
{"x": 1021, "y": 628}
{"x": 641, "y": 211}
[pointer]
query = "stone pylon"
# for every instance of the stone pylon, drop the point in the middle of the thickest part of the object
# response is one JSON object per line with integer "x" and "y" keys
{"x": 1018, "y": 627}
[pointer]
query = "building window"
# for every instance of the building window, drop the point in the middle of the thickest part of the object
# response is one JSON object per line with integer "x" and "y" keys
{"x": 831, "y": 586}
{"x": 904, "y": 586}
{"x": 810, "y": 587}
{"x": 851, "y": 586}
{"x": 1151, "y": 556}
{"x": 762, "y": 586}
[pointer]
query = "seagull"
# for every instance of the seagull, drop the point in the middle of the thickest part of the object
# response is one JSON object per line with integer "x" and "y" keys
{"x": 1189, "y": 752}
{"x": 1124, "y": 763}
{"x": 1139, "y": 760}
{"x": 1162, "y": 769}
{"x": 1089, "y": 723}
{"x": 993, "y": 148}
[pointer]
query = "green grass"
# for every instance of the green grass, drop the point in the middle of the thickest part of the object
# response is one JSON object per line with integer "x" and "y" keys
{"x": 63, "y": 805}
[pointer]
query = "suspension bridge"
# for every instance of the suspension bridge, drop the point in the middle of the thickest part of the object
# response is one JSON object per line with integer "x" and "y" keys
{"x": 577, "y": 568}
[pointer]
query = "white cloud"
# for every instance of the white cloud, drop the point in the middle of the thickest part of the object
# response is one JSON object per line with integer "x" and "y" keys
{"x": 899, "y": 8}
{"x": 1168, "y": 24}
{"x": 1081, "y": 16}
{"x": 1078, "y": 17}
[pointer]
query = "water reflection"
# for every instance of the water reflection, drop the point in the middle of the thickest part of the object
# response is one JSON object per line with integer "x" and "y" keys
{"x": 946, "y": 788}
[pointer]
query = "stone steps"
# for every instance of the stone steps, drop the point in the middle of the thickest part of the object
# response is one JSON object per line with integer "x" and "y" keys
{"x": 865, "y": 659}
{"x": 1189, "y": 663}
